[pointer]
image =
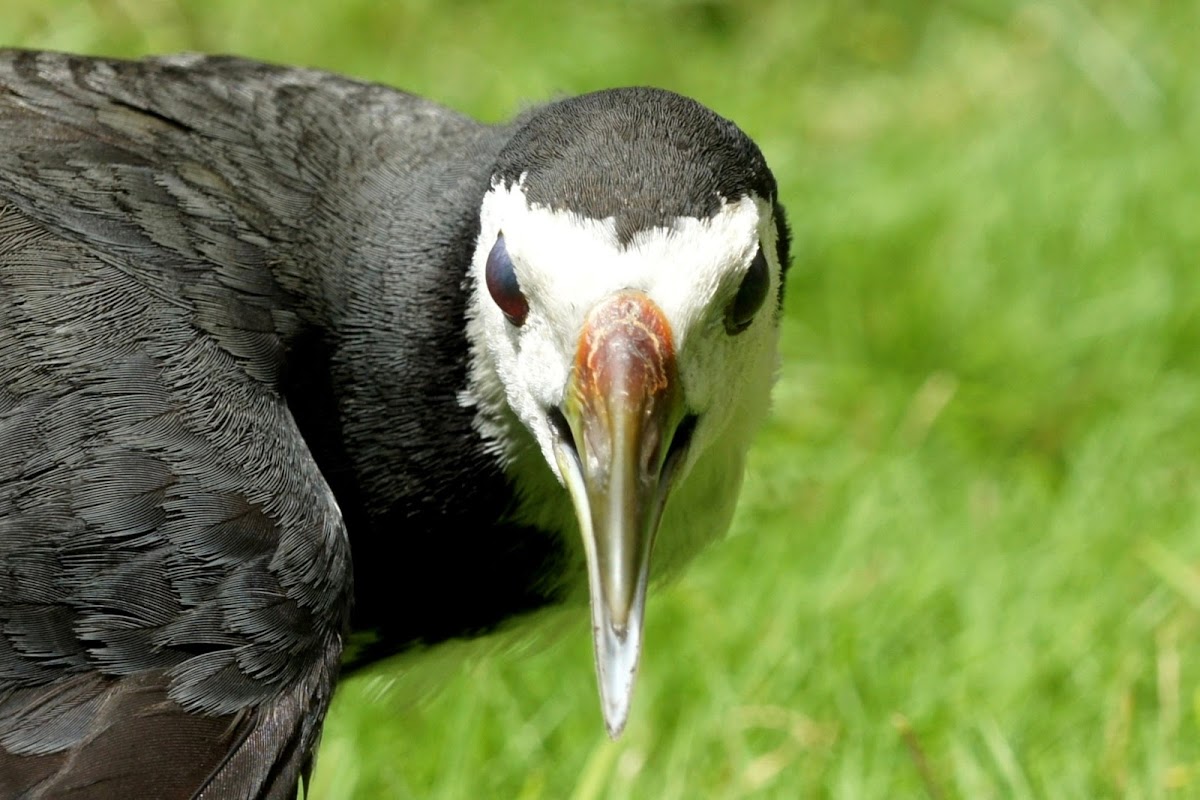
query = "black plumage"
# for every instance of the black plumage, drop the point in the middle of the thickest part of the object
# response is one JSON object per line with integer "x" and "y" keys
{"x": 231, "y": 352}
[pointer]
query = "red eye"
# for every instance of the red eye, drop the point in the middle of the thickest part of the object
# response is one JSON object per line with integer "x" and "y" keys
{"x": 502, "y": 284}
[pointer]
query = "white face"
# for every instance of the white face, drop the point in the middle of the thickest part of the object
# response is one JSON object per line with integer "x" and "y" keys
{"x": 565, "y": 264}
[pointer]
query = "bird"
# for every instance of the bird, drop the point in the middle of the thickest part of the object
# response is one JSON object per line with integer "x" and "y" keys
{"x": 299, "y": 372}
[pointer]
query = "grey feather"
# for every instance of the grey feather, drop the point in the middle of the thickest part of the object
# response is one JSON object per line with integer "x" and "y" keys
{"x": 229, "y": 294}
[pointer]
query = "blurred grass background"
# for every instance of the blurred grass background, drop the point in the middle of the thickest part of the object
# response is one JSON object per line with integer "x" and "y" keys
{"x": 968, "y": 559}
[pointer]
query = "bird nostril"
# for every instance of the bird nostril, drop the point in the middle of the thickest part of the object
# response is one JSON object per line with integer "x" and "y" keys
{"x": 679, "y": 446}
{"x": 562, "y": 429}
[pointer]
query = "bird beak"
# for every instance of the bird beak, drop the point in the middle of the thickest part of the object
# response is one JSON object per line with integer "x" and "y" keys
{"x": 623, "y": 404}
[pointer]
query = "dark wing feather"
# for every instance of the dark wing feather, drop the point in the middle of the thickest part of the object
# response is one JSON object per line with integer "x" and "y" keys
{"x": 140, "y": 743}
{"x": 174, "y": 572}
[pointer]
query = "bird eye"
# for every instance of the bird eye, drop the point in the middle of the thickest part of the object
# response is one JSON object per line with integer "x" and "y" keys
{"x": 502, "y": 284}
{"x": 750, "y": 295}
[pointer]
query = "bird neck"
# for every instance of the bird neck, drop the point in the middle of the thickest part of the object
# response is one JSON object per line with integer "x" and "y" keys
{"x": 387, "y": 395}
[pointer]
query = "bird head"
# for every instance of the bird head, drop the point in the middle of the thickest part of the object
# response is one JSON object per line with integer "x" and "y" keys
{"x": 626, "y": 289}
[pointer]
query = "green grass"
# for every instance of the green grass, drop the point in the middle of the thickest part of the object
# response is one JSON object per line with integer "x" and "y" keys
{"x": 968, "y": 559}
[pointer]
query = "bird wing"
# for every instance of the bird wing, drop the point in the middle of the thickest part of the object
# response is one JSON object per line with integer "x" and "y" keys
{"x": 174, "y": 571}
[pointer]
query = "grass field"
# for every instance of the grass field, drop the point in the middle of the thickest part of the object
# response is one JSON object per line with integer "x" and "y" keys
{"x": 968, "y": 559}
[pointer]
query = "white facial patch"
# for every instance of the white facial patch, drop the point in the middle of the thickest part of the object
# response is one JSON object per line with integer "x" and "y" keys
{"x": 566, "y": 264}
